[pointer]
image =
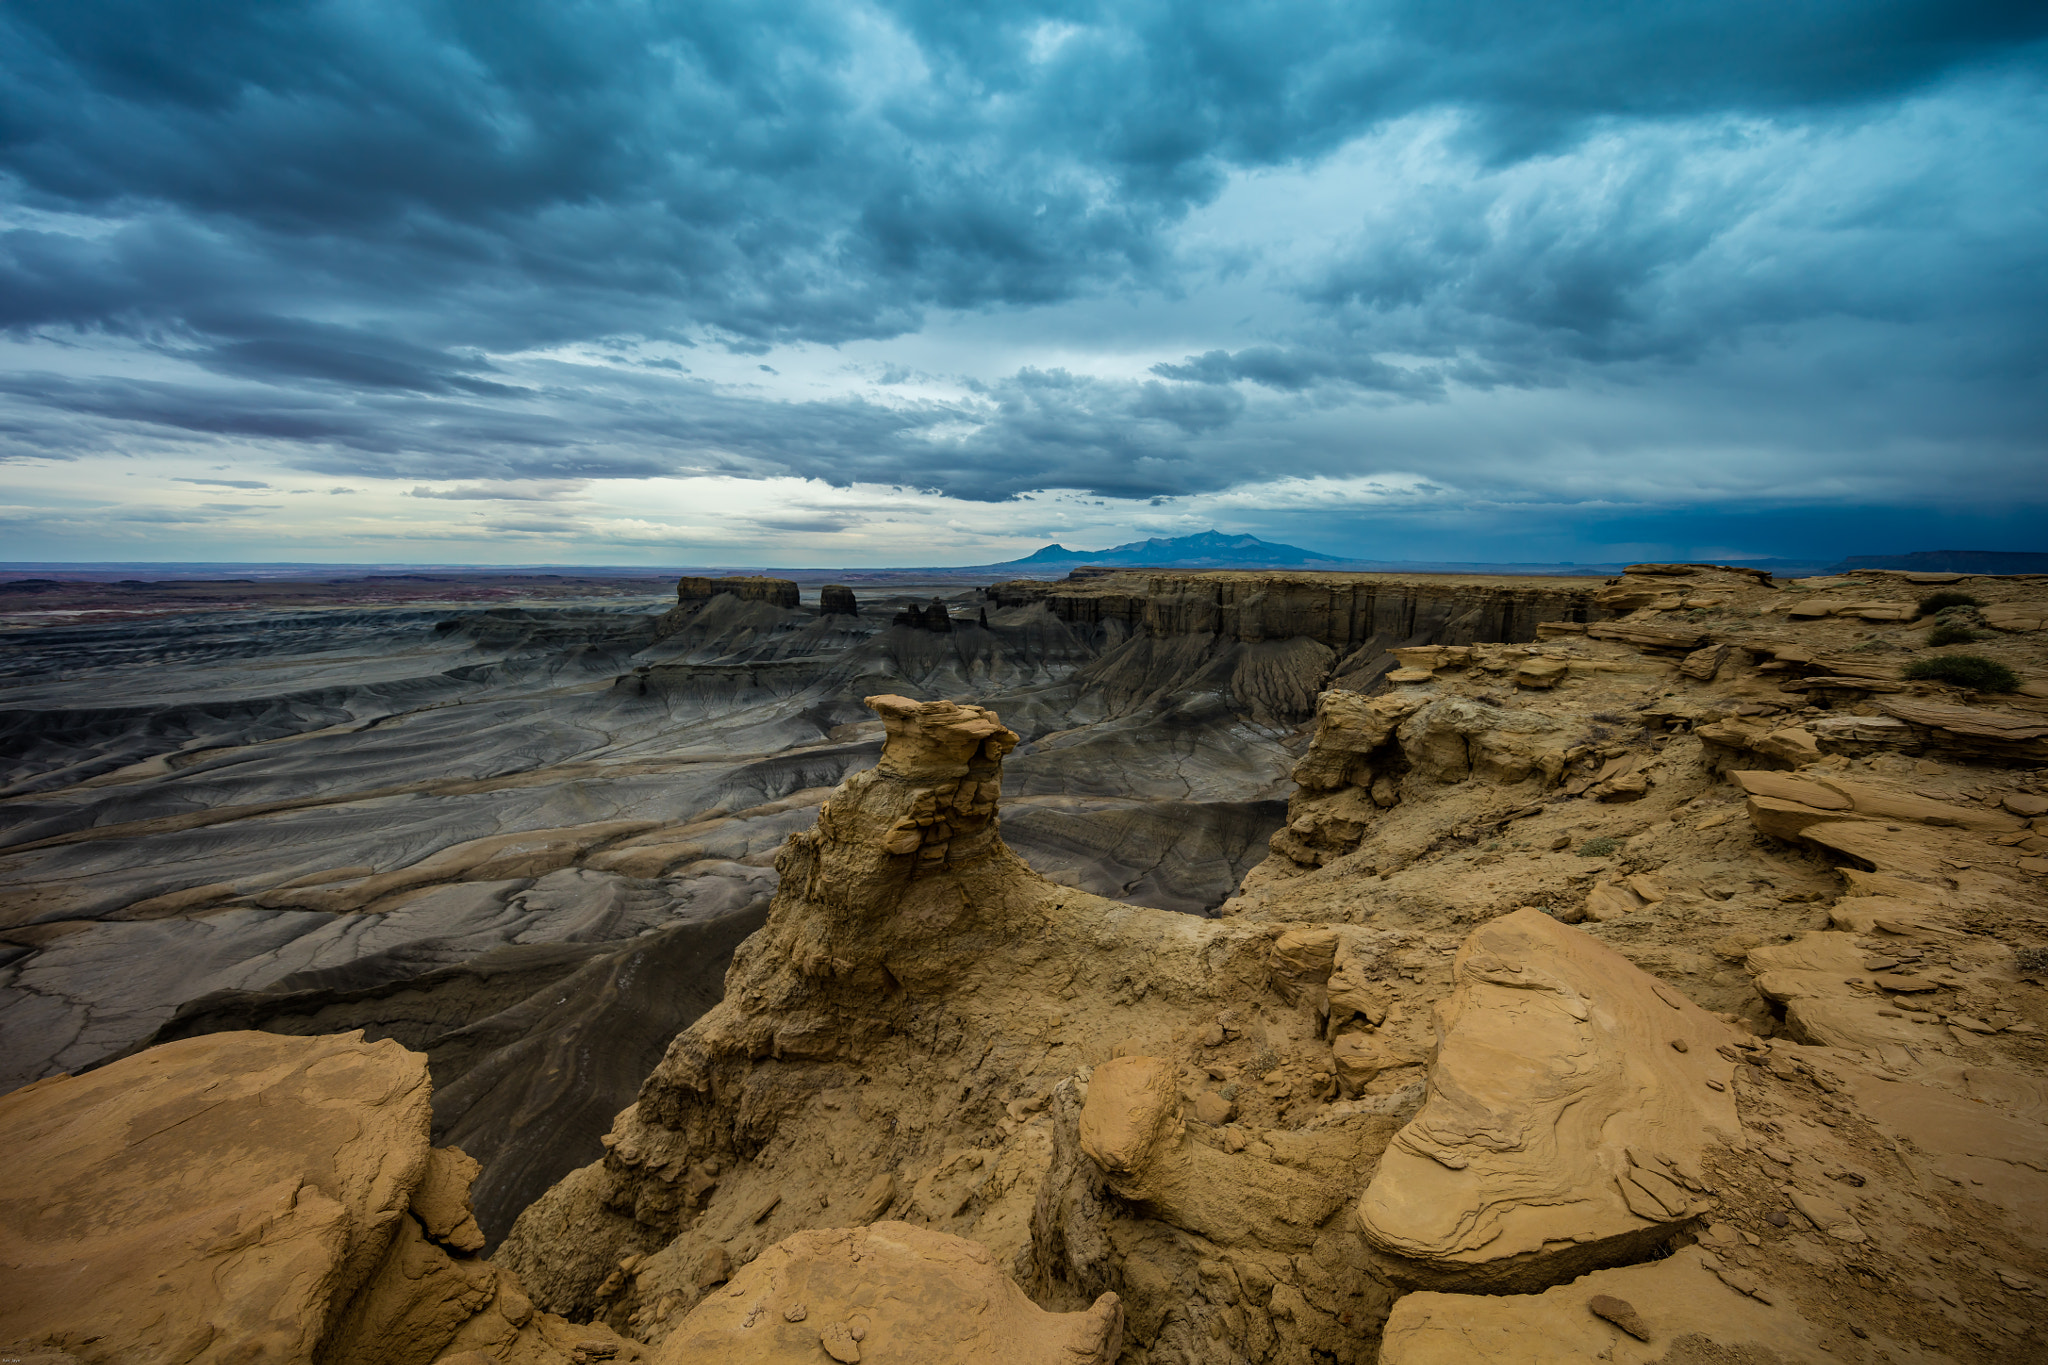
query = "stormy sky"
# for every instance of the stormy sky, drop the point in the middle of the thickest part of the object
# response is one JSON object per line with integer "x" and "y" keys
{"x": 597, "y": 281}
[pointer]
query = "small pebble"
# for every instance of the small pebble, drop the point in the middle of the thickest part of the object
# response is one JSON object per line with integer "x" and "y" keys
{"x": 1777, "y": 1218}
{"x": 1678, "y": 1045}
{"x": 1713, "y": 1084}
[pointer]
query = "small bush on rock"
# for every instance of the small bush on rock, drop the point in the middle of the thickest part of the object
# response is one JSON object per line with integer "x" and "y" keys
{"x": 1949, "y": 633}
{"x": 1935, "y": 601}
{"x": 1964, "y": 670}
{"x": 1598, "y": 848}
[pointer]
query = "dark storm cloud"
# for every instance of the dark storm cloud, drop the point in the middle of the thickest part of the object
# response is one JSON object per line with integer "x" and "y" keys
{"x": 337, "y": 210}
{"x": 1295, "y": 368}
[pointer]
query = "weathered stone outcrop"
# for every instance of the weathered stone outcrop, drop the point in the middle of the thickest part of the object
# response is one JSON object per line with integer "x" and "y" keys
{"x": 1368, "y": 750}
{"x": 1570, "y": 1104}
{"x": 916, "y": 1034}
{"x": 836, "y": 599}
{"x": 252, "y": 1198}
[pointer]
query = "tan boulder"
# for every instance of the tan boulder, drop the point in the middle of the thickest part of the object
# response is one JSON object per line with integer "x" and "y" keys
{"x": 250, "y": 1197}
{"x": 1539, "y": 672}
{"x": 1611, "y": 901}
{"x": 1702, "y": 664}
{"x": 1360, "y": 1057}
{"x": 1301, "y": 965}
{"x": 889, "y": 1292}
{"x": 1564, "y": 1125}
{"x": 1132, "y": 1104}
{"x": 1792, "y": 745}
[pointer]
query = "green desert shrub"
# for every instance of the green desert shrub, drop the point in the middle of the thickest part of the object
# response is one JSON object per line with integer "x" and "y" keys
{"x": 1952, "y": 633}
{"x": 1935, "y": 601}
{"x": 1598, "y": 848}
{"x": 1964, "y": 670}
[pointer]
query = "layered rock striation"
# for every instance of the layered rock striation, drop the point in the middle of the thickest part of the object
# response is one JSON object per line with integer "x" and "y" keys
{"x": 1273, "y": 641}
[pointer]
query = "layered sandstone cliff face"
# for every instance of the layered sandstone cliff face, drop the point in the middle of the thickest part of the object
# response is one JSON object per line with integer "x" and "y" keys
{"x": 1275, "y": 640}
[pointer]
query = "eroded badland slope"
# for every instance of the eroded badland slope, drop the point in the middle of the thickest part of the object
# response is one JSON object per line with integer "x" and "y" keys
{"x": 1659, "y": 978}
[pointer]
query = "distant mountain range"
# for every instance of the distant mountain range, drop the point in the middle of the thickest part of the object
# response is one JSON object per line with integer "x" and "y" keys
{"x": 1204, "y": 550}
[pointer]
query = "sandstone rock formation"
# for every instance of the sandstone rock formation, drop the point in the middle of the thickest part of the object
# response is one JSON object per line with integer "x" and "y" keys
{"x": 250, "y": 1197}
{"x": 1570, "y": 1102}
{"x": 836, "y": 599}
{"x": 1675, "y": 965}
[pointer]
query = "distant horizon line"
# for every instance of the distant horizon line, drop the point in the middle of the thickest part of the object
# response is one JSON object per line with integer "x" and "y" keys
{"x": 110, "y": 565}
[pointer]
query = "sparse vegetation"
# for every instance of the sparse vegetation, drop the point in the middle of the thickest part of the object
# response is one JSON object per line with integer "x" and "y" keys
{"x": 1936, "y": 601}
{"x": 1950, "y": 633}
{"x": 1964, "y": 670}
{"x": 1601, "y": 847}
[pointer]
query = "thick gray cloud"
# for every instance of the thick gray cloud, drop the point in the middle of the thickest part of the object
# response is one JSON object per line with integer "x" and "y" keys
{"x": 347, "y": 230}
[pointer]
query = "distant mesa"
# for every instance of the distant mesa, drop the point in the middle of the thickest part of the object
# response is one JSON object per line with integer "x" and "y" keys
{"x": 1206, "y": 550}
{"x": 780, "y": 591}
{"x": 836, "y": 599}
{"x": 1950, "y": 561}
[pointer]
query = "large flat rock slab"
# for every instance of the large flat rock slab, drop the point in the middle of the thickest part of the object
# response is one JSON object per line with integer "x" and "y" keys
{"x": 1569, "y": 1105}
{"x": 1686, "y": 1311}
{"x": 217, "y": 1198}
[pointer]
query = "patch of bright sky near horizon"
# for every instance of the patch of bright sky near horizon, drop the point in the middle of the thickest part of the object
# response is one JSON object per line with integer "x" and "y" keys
{"x": 449, "y": 289}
